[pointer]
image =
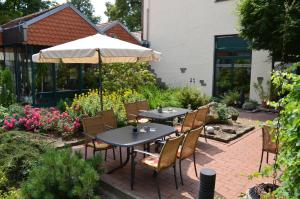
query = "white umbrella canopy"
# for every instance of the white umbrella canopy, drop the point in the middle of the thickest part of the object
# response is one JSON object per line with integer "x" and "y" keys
{"x": 96, "y": 49}
{"x": 86, "y": 50}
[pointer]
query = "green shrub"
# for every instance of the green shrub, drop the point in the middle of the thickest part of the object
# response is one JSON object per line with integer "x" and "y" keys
{"x": 62, "y": 174}
{"x": 161, "y": 97}
{"x": 16, "y": 109}
{"x": 194, "y": 97}
{"x": 89, "y": 103}
{"x": 223, "y": 113}
{"x": 233, "y": 111}
{"x": 231, "y": 98}
{"x": 7, "y": 95}
{"x": 250, "y": 105}
{"x": 19, "y": 153}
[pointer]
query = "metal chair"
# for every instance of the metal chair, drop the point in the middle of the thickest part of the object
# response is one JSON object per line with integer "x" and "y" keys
{"x": 268, "y": 145}
{"x": 164, "y": 160}
{"x": 93, "y": 126}
{"x": 133, "y": 109}
{"x": 200, "y": 119}
{"x": 188, "y": 148}
{"x": 187, "y": 124}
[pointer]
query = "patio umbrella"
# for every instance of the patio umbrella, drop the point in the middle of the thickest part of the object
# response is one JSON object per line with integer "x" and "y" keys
{"x": 96, "y": 49}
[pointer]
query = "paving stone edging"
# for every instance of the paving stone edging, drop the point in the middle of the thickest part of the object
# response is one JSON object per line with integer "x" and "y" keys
{"x": 112, "y": 192}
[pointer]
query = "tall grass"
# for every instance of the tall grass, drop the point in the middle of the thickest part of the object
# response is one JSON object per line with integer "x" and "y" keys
{"x": 161, "y": 97}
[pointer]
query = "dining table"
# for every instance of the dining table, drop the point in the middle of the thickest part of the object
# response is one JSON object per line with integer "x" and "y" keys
{"x": 130, "y": 137}
{"x": 165, "y": 114}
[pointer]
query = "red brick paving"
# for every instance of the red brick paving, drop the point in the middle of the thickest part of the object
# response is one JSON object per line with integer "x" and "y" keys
{"x": 232, "y": 163}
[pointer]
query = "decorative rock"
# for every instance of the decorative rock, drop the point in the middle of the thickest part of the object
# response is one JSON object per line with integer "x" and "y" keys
{"x": 229, "y": 130}
{"x": 216, "y": 128}
{"x": 209, "y": 129}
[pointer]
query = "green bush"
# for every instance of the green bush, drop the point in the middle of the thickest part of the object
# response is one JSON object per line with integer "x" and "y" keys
{"x": 7, "y": 95}
{"x": 161, "y": 97}
{"x": 62, "y": 174}
{"x": 223, "y": 113}
{"x": 231, "y": 98}
{"x": 194, "y": 97}
{"x": 250, "y": 105}
{"x": 19, "y": 153}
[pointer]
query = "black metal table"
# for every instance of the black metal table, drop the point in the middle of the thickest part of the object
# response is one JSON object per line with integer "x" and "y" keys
{"x": 166, "y": 114}
{"x": 125, "y": 137}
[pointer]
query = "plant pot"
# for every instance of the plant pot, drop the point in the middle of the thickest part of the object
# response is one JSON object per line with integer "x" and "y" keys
{"x": 234, "y": 117}
{"x": 134, "y": 129}
{"x": 259, "y": 190}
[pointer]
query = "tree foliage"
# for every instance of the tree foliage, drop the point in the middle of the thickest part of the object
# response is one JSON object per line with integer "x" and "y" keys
{"x": 127, "y": 12}
{"x": 87, "y": 8}
{"x": 11, "y": 9}
{"x": 272, "y": 25}
{"x": 288, "y": 84}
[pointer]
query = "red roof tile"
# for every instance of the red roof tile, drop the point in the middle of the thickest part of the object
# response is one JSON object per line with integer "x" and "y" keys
{"x": 122, "y": 34}
{"x": 61, "y": 27}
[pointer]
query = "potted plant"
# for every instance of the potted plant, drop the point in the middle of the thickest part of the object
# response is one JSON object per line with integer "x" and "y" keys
{"x": 134, "y": 124}
{"x": 263, "y": 95}
{"x": 234, "y": 113}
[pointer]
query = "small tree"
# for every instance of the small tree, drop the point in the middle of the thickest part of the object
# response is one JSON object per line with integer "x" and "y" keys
{"x": 87, "y": 8}
{"x": 127, "y": 12}
{"x": 272, "y": 25}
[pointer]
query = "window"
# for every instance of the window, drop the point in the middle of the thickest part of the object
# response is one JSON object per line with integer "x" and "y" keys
{"x": 232, "y": 65}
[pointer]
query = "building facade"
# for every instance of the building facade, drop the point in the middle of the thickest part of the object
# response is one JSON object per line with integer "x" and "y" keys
{"x": 46, "y": 84}
{"x": 200, "y": 47}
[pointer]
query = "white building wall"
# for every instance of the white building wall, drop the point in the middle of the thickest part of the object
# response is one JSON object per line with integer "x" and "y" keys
{"x": 184, "y": 31}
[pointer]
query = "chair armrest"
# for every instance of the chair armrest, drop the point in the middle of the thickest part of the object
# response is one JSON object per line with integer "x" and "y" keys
{"x": 145, "y": 152}
{"x": 134, "y": 115}
{"x": 89, "y": 136}
{"x": 107, "y": 126}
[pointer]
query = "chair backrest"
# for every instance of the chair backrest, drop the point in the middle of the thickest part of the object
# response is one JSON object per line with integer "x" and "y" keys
{"x": 169, "y": 152}
{"x": 268, "y": 144}
{"x": 93, "y": 125}
{"x": 188, "y": 121}
{"x": 189, "y": 143}
{"x": 131, "y": 111}
{"x": 142, "y": 105}
{"x": 109, "y": 119}
{"x": 200, "y": 117}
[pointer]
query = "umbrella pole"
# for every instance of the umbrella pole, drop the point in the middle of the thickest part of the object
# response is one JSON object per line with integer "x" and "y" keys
{"x": 100, "y": 79}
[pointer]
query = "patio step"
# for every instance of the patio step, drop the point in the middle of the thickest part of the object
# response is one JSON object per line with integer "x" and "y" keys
{"x": 111, "y": 192}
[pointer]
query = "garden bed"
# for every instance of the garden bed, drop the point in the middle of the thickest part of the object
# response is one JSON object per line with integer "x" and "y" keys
{"x": 226, "y": 133}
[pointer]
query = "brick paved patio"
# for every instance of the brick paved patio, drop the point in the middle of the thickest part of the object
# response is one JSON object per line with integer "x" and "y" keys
{"x": 232, "y": 162}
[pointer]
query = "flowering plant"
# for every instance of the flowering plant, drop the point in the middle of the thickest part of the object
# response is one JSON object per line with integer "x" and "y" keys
{"x": 45, "y": 120}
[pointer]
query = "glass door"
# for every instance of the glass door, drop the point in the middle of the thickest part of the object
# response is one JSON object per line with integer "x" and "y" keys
{"x": 232, "y": 65}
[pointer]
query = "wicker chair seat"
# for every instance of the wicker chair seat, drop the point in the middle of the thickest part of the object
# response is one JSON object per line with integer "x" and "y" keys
{"x": 100, "y": 145}
{"x": 151, "y": 161}
{"x": 140, "y": 120}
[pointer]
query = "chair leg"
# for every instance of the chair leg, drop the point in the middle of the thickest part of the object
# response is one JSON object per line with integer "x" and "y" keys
{"x": 114, "y": 153}
{"x": 205, "y": 135}
{"x": 105, "y": 155}
{"x": 144, "y": 150}
{"x": 267, "y": 157}
{"x": 261, "y": 159}
{"x": 180, "y": 172}
{"x": 94, "y": 152}
{"x": 156, "y": 177}
{"x": 121, "y": 159}
{"x": 85, "y": 152}
{"x": 194, "y": 156}
{"x": 175, "y": 177}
